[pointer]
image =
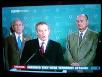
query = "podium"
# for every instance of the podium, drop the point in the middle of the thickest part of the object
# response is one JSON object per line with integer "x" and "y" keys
{"x": 39, "y": 71}
{"x": 51, "y": 69}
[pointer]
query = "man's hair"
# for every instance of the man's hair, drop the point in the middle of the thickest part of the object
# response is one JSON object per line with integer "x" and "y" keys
{"x": 13, "y": 22}
{"x": 40, "y": 23}
{"x": 83, "y": 15}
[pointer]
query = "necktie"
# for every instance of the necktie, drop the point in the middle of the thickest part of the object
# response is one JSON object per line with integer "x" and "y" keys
{"x": 80, "y": 37}
{"x": 42, "y": 49}
{"x": 19, "y": 42}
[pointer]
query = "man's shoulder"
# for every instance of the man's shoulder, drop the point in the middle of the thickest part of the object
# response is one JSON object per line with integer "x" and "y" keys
{"x": 31, "y": 41}
{"x": 10, "y": 37}
{"x": 54, "y": 42}
{"x": 73, "y": 34}
{"x": 94, "y": 33}
{"x": 27, "y": 37}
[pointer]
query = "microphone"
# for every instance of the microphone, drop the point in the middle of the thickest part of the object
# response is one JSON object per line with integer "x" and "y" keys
{"x": 30, "y": 57}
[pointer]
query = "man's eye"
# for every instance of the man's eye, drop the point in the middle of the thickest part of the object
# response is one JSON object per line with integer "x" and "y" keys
{"x": 45, "y": 30}
{"x": 81, "y": 20}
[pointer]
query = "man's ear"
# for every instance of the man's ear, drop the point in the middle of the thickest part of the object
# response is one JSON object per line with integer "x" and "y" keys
{"x": 12, "y": 27}
{"x": 49, "y": 31}
{"x": 87, "y": 22}
{"x": 36, "y": 33}
{"x": 23, "y": 27}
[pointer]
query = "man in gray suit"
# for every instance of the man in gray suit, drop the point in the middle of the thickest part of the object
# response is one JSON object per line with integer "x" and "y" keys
{"x": 81, "y": 46}
{"x": 14, "y": 44}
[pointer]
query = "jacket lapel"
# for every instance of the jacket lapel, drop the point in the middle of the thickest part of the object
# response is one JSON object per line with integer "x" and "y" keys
{"x": 85, "y": 38}
{"x": 23, "y": 41}
{"x": 76, "y": 40}
{"x": 48, "y": 47}
{"x": 14, "y": 41}
{"x": 76, "y": 45}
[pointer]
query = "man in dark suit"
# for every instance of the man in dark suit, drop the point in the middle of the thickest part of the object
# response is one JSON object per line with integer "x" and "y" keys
{"x": 42, "y": 51}
{"x": 14, "y": 44}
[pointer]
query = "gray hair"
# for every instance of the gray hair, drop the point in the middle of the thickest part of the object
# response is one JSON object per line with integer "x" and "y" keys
{"x": 86, "y": 16}
{"x": 12, "y": 24}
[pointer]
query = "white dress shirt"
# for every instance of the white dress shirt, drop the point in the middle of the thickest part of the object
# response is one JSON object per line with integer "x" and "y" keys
{"x": 45, "y": 43}
{"x": 18, "y": 35}
{"x": 83, "y": 33}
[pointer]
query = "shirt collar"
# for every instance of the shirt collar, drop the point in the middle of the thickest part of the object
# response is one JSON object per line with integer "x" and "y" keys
{"x": 40, "y": 41}
{"x": 16, "y": 34}
{"x": 83, "y": 32}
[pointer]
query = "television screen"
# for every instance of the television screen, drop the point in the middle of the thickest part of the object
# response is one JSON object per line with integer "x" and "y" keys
{"x": 62, "y": 21}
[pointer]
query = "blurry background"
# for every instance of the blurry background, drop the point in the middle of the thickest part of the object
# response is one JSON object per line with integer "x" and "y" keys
{"x": 60, "y": 18}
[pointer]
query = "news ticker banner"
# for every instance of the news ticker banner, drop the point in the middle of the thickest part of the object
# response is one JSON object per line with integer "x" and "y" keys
{"x": 30, "y": 67}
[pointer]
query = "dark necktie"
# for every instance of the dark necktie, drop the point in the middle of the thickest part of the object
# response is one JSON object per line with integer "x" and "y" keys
{"x": 42, "y": 49}
{"x": 19, "y": 42}
{"x": 80, "y": 37}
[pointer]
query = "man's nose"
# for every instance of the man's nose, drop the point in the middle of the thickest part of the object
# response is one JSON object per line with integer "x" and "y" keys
{"x": 79, "y": 23}
{"x": 43, "y": 32}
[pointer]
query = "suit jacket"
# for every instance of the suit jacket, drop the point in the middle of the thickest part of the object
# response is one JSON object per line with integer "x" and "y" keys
{"x": 53, "y": 54}
{"x": 84, "y": 53}
{"x": 11, "y": 51}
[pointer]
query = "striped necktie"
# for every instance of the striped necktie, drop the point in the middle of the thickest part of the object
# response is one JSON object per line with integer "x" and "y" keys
{"x": 80, "y": 37}
{"x": 42, "y": 49}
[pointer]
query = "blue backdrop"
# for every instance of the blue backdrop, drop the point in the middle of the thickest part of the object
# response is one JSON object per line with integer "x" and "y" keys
{"x": 61, "y": 19}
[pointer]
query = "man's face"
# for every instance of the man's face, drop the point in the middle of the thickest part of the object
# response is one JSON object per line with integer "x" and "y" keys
{"x": 18, "y": 27}
{"x": 43, "y": 32}
{"x": 82, "y": 23}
